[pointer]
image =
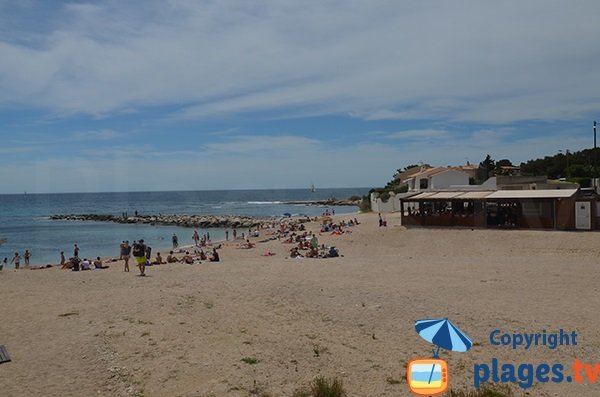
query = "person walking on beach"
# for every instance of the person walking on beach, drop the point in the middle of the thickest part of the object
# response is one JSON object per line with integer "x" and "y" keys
{"x": 62, "y": 259}
{"x": 76, "y": 251}
{"x": 16, "y": 260}
{"x": 26, "y": 256}
{"x": 196, "y": 237}
{"x": 234, "y": 233}
{"x": 175, "y": 241}
{"x": 126, "y": 255}
{"x": 139, "y": 252}
{"x": 227, "y": 235}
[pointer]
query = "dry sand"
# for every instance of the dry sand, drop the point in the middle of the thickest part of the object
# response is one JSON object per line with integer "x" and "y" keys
{"x": 183, "y": 330}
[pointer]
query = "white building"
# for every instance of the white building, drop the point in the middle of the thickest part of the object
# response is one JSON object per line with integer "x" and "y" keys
{"x": 437, "y": 178}
{"x": 428, "y": 179}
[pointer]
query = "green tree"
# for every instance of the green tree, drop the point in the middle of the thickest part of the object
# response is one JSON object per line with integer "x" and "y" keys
{"x": 486, "y": 168}
{"x": 498, "y": 170}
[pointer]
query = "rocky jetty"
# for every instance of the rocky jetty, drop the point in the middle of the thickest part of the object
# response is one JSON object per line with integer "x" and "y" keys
{"x": 328, "y": 202}
{"x": 202, "y": 221}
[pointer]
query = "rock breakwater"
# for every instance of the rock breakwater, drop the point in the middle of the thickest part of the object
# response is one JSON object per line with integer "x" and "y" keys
{"x": 202, "y": 221}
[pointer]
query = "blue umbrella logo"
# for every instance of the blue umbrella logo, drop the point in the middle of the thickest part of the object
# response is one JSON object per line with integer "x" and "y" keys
{"x": 443, "y": 334}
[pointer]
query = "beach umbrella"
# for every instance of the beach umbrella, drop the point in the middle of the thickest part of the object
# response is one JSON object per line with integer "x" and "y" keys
{"x": 442, "y": 333}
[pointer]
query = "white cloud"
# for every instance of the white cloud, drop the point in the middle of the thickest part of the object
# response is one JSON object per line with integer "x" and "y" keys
{"x": 96, "y": 135}
{"x": 267, "y": 146}
{"x": 259, "y": 161}
{"x": 462, "y": 60}
{"x": 421, "y": 134}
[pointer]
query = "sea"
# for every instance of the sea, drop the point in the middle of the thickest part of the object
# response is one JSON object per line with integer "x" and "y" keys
{"x": 25, "y": 223}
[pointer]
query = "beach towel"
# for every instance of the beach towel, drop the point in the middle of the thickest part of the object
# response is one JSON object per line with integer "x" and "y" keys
{"x": 4, "y": 357}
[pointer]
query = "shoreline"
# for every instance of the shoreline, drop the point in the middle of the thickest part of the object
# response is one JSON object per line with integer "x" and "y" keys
{"x": 167, "y": 247}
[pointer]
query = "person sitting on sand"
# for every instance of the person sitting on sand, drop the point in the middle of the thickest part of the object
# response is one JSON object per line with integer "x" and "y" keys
{"x": 333, "y": 252}
{"x": 75, "y": 263}
{"x": 215, "y": 256}
{"x": 171, "y": 258}
{"x": 294, "y": 253}
{"x": 312, "y": 253}
{"x": 187, "y": 258}
{"x": 159, "y": 259}
{"x": 200, "y": 253}
{"x": 85, "y": 265}
{"x": 99, "y": 265}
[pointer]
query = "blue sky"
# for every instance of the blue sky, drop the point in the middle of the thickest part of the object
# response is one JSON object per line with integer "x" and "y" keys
{"x": 187, "y": 95}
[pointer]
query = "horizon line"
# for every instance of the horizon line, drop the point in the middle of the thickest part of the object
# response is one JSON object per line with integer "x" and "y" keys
{"x": 182, "y": 191}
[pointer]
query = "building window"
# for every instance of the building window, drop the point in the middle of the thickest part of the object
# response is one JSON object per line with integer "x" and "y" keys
{"x": 423, "y": 183}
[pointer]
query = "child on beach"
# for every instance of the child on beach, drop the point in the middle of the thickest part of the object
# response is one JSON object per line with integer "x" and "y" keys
{"x": 26, "y": 256}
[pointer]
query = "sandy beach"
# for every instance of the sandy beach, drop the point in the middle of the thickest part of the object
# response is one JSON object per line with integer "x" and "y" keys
{"x": 265, "y": 326}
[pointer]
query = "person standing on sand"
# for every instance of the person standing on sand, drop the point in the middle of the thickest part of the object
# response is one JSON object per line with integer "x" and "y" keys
{"x": 196, "y": 237}
{"x": 175, "y": 241}
{"x": 122, "y": 249}
{"x": 4, "y": 263}
{"x": 26, "y": 256}
{"x": 16, "y": 260}
{"x": 234, "y": 233}
{"x": 62, "y": 259}
{"x": 148, "y": 253}
{"x": 76, "y": 251}
{"x": 227, "y": 235}
{"x": 126, "y": 255}
{"x": 314, "y": 243}
{"x": 139, "y": 252}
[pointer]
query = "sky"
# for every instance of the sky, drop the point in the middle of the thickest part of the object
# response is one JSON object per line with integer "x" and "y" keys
{"x": 240, "y": 94}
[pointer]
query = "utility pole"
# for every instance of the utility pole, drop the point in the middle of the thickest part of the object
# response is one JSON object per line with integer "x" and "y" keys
{"x": 595, "y": 156}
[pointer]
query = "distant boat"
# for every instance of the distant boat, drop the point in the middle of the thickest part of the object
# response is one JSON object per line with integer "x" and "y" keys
{"x": 312, "y": 188}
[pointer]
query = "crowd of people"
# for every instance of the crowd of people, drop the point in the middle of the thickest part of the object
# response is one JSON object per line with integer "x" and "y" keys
{"x": 305, "y": 245}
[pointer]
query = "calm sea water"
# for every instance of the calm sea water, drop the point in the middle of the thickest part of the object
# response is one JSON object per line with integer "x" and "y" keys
{"x": 25, "y": 225}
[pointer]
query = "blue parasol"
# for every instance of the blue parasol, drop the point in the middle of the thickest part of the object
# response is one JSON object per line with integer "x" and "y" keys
{"x": 442, "y": 333}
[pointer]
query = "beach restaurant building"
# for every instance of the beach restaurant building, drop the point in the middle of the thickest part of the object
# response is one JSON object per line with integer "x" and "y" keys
{"x": 558, "y": 209}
